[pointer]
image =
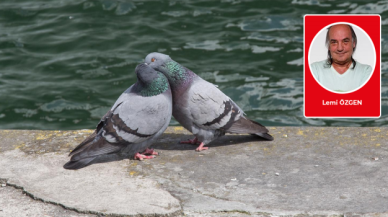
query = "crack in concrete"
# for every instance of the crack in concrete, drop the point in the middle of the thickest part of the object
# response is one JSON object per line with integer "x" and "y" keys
{"x": 32, "y": 196}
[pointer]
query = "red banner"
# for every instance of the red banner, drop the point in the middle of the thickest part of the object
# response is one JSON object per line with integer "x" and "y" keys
{"x": 361, "y": 102}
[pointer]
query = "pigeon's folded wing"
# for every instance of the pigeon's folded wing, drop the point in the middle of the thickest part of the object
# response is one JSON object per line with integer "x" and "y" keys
{"x": 137, "y": 119}
{"x": 210, "y": 108}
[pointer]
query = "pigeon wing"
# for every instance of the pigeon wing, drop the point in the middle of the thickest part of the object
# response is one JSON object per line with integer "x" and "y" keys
{"x": 210, "y": 107}
{"x": 139, "y": 118}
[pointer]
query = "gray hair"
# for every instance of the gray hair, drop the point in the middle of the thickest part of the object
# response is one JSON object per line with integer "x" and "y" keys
{"x": 329, "y": 60}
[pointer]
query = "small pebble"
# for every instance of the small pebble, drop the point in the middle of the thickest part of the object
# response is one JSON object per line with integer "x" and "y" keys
{"x": 234, "y": 179}
{"x": 277, "y": 174}
{"x": 3, "y": 185}
{"x": 316, "y": 165}
{"x": 375, "y": 158}
{"x": 285, "y": 135}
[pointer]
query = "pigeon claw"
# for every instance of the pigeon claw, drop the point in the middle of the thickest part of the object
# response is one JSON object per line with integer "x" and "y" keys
{"x": 190, "y": 141}
{"x": 150, "y": 151}
{"x": 142, "y": 157}
{"x": 200, "y": 147}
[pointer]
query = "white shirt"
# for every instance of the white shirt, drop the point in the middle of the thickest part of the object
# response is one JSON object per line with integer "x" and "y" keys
{"x": 351, "y": 80}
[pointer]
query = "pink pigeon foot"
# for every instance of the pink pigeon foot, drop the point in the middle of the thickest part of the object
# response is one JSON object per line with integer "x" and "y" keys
{"x": 142, "y": 157}
{"x": 200, "y": 147}
{"x": 150, "y": 151}
{"x": 190, "y": 141}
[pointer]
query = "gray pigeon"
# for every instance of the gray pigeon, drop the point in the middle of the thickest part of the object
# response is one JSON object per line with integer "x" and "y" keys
{"x": 139, "y": 116}
{"x": 200, "y": 106}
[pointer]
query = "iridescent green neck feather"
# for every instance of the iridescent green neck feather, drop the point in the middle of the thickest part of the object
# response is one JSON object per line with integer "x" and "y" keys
{"x": 155, "y": 87}
{"x": 177, "y": 74}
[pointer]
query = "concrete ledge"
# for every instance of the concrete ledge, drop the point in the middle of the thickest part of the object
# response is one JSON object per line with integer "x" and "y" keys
{"x": 305, "y": 171}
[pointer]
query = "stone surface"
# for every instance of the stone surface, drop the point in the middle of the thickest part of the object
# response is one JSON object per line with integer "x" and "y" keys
{"x": 13, "y": 202}
{"x": 101, "y": 189}
{"x": 304, "y": 171}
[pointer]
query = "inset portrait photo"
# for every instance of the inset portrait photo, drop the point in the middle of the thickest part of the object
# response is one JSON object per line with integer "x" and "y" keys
{"x": 342, "y": 57}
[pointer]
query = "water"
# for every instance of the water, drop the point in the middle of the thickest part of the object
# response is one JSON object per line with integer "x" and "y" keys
{"x": 64, "y": 63}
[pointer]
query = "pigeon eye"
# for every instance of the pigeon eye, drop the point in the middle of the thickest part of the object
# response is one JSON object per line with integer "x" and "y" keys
{"x": 153, "y": 60}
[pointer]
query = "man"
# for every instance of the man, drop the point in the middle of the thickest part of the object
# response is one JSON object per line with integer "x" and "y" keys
{"x": 340, "y": 72}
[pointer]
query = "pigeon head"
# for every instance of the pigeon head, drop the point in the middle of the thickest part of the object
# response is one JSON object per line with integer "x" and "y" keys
{"x": 150, "y": 82}
{"x": 145, "y": 73}
{"x": 156, "y": 60}
{"x": 176, "y": 74}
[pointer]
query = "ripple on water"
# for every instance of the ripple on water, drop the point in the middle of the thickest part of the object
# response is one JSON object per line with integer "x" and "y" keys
{"x": 309, "y": 2}
{"x": 88, "y": 5}
{"x": 384, "y": 94}
{"x": 38, "y": 5}
{"x": 236, "y": 45}
{"x": 278, "y": 104}
{"x": 297, "y": 50}
{"x": 384, "y": 68}
{"x": 211, "y": 45}
{"x": 315, "y": 122}
{"x": 122, "y": 8}
{"x": 345, "y": 122}
{"x": 298, "y": 62}
{"x": 195, "y": 13}
{"x": 285, "y": 40}
{"x": 384, "y": 44}
{"x": 25, "y": 12}
{"x": 371, "y": 8}
{"x": 231, "y": 1}
{"x": 26, "y": 112}
{"x": 93, "y": 73}
{"x": 345, "y": 4}
{"x": 109, "y": 5}
{"x": 226, "y": 78}
{"x": 284, "y": 95}
{"x": 340, "y": 11}
{"x": 61, "y": 104}
{"x": 175, "y": 13}
{"x": 258, "y": 49}
{"x": 269, "y": 23}
{"x": 205, "y": 45}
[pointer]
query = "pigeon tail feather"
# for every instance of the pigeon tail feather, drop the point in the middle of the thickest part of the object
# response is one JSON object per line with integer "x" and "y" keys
{"x": 245, "y": 125}
{"x": 88, "y": 140}
{"x": 93, "y": 150}
{"x": 264, "y": 136}
{"x": 75, "y": 165}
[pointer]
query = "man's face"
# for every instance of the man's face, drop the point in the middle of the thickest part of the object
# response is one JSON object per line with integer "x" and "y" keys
{"x": 341, "y": 44}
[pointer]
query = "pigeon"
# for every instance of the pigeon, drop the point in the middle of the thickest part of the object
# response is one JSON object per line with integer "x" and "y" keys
{"x": 200, "y": 107}
{"x": 138, "y": 117}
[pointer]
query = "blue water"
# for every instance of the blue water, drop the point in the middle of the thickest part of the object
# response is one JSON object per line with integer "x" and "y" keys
{"x": 64, "y": 63}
